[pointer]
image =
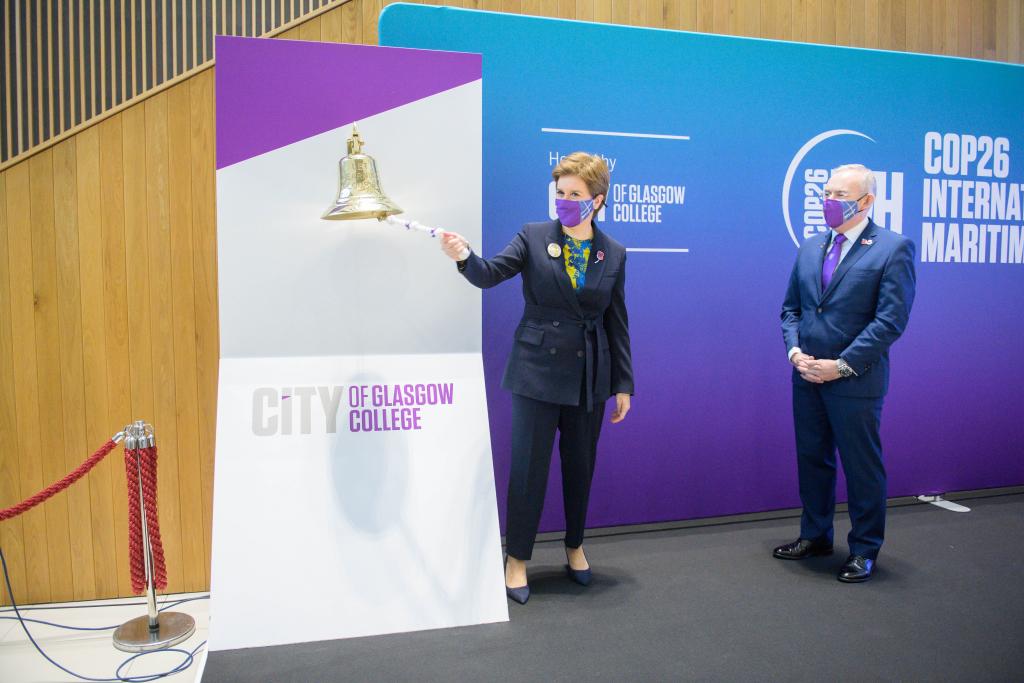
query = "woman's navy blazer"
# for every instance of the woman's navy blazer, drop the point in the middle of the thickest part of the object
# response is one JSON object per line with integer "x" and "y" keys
{"x": 564, "y": 335}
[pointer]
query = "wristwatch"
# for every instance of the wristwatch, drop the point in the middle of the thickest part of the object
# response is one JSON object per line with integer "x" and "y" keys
{"x": 844, "y": 368}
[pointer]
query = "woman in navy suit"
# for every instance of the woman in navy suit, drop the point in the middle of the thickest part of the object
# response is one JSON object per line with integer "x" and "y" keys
{"x": 571, "y": 354}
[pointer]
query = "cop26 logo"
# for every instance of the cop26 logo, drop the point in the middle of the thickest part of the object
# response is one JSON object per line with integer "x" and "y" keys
{"x": 809, "y": 171}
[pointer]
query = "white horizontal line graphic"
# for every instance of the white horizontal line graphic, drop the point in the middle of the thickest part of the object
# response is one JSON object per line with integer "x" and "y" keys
{"x": 657, "y": 249}
{"x": 610, "y": 133}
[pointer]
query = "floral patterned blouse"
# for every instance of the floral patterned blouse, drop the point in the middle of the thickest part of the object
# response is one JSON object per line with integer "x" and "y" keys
{"x": 577, "y": 254}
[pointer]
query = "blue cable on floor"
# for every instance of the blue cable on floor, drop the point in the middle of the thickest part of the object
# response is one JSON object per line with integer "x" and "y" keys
{"x": 137, "y": 603}
{"x": 22, "y": 619}
{"x": 186, "y": 663}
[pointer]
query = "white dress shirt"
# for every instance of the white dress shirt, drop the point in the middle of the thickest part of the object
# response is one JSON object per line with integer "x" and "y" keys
{"x": 852, "y": 235}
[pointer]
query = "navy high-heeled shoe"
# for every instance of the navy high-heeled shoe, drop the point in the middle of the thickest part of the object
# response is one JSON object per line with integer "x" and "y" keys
{"x": 581, "y": 576}
{"x": 520, "y": 594}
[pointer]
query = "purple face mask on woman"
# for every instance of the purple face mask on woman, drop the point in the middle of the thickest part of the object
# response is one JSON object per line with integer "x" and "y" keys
{"x": 571, "y": 212}
{"x": 838, "y": 211}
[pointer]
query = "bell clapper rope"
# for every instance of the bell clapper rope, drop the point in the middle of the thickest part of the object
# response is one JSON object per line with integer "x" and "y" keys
{"x": 419, "y": 227}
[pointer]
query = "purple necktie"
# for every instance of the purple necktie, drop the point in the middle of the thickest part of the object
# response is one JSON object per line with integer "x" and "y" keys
{"x": 828, "y": 268}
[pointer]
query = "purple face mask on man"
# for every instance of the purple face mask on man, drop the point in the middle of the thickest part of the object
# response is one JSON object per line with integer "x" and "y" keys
{"x": 571, "y": 212}
{"x": 838, "y": 211}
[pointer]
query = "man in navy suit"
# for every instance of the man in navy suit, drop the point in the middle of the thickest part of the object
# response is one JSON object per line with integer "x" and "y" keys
{"x": 848, "y": 300}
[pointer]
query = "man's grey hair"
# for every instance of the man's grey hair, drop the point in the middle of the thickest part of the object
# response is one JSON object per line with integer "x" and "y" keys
{"x": 868, "y": 182}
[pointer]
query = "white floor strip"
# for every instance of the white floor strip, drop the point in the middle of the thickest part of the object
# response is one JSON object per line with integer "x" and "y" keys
{"x": 91, "y": 653}
{"x": 941, "y": 502}
{"x": 200, "y": 665}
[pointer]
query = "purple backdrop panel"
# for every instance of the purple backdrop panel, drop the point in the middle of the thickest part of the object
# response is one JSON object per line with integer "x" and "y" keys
{"x": 276, "y": 92}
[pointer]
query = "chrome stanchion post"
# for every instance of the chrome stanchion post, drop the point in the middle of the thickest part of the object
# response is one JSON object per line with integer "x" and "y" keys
{"x": 155, "y": 630}
{"x": 147, "y": 546}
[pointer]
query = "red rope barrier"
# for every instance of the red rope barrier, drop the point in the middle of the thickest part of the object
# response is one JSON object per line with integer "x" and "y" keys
{"x": 138, "y": 462}
{"x": 136, "y": 563}
{"x": 149, "y": 490}
{"x": 58, "y": 486}
{"x": 143, "y": 461}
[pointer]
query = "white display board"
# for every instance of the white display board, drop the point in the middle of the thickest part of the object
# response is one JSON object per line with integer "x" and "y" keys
{"x": 354, "y": 491}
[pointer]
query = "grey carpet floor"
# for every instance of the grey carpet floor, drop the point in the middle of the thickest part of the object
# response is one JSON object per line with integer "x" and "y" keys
{"x": 711, "y": 604}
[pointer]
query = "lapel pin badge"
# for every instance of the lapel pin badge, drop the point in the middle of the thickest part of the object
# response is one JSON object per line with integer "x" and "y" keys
{"x": 554, "y": 251}
{"x": 867, "y": 243}
{"x": 600, "y": 256}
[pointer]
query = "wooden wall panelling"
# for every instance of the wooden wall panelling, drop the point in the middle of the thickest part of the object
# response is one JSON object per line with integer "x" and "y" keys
{"x": 108, "y": 260}
{"x": 94, "y": 361}
{"x": 12, "y": 532}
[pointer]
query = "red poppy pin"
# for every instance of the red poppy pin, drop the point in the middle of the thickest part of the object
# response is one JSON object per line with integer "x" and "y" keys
{"x": 600, "y": 256}
{"x": 867, "y": 243}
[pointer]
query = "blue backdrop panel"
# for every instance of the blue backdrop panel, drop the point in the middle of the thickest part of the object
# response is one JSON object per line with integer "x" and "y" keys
{"x": 718, "y": 147}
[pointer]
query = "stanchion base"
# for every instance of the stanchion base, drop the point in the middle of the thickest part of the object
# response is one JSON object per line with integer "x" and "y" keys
{"x": 135, "y": 636}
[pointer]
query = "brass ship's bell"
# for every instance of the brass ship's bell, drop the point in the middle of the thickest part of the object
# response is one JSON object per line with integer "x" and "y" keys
{"x": 360, "y": 194}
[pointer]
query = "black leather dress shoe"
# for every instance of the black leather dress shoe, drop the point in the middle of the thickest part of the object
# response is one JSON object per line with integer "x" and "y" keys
{"x": 856, "y": 570}
{"x": 802, "y": 548}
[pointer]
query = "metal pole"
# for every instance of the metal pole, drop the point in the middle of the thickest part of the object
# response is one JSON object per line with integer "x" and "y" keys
{"x": 147, "y": 546}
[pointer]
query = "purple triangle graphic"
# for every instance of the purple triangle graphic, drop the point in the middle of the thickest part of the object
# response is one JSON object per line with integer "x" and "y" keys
{"x": 271, "y": 93}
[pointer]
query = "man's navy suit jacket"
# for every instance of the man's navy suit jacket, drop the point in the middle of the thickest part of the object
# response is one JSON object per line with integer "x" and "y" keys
{"x": 859, "y": 315}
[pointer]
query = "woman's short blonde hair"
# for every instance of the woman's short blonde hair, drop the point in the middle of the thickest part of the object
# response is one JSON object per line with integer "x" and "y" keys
{"x": 588, "y": 167}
